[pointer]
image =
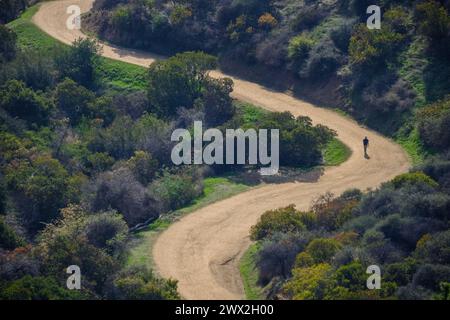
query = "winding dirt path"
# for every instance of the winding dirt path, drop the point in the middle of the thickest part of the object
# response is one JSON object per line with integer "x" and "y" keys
{"x": 202, "y": 250}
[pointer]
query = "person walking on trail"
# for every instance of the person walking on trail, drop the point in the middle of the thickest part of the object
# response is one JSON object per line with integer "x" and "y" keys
{"x": 366, "y": 145}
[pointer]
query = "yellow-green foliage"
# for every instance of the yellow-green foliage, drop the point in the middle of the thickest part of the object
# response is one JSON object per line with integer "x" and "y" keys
{"x": 281, "y": 220}
{"x": 306, "y": 282}
{"x": 413, "y": 178}
{"x": 370, "y": 47}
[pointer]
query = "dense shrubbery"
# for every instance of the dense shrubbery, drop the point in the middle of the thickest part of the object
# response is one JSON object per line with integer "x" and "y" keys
{"x": 81, "y": 164}
{"x": 8, "y": 44}
{"x": 373, "y": 72}
{"x": 401, "y": 227}
{"x": 301, "y": 143}
{"x": 434, "y": 124}
{"x": 10, "y": 9}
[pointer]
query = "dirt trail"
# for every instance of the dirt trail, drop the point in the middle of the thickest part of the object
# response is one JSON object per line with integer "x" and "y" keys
{"x": 202, "y": 250}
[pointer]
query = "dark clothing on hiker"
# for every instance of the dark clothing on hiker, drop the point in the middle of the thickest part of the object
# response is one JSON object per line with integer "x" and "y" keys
{"x": 366, "y": 144}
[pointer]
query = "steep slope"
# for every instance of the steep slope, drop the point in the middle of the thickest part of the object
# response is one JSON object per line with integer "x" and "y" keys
{"x": 202, "y": 250}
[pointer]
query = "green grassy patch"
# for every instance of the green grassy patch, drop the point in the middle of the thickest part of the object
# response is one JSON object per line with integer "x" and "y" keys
{"x": 414, "y": 62}
{"x": 250, "y": 114}
{"x": 113, "y": 74}
{"x": 29, "y": 36}
{"x": 215, "y": 189}
{"x": 249, "y": 274}
{"x": 122, "y": 76}
{"x": 413, "y": 146}
{"x": 336, "y": 153}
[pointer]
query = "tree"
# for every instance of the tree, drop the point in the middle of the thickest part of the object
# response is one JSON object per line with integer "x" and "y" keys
{"x": 73, "y": 99}
{"x": 434, "y": 23}
{"x": 8, "y": 238}
{"x": 7, "y": 44}
{"x": 216, "y": 100}
{"x": 71, "y": 240}
{"x": 22, "y": 102}
{"x": 300, "y": 142}
{"x": 39, "y": 187}
{"x": 79, "y": 61}
{"x": 9, "y": 9}
{"x": 178, "y": 81}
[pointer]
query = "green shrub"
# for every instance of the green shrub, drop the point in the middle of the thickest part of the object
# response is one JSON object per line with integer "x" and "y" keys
{"x": 8, "y": 238}
{"x": 322, "y": 250}
{"x": 7, "y": 44}
{"x": 413, "y": 178}
{"x": 22, "y": 102}
{"x": 298, "y": 50}
{"x": 176, "y": 190}
{"x": 37, "y": 288}
{"x": 281, "y": 220}
{"x": 141, "y": 284}
{"x": 434, "y": 124}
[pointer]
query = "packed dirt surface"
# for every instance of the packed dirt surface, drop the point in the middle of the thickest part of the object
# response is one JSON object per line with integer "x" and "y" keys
{"x": 202, "y": 250}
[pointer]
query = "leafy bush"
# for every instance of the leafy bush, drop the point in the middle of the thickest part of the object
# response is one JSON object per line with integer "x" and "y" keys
{"x": 281, "y": 220}
{"x": 307, "y": 283}
{"x": 22, "y": 102}
{"x": 341, "y": 35}
{"x": 143, "y": 166}
{"x": 7, "y": 44}
{"x": 107, "y": 230}
{"x": 176, "y": 190}
{"x": 65, "y": 242}
{"x": 31, "y": 67}
{"x": 278, "y": 255}
{"x": 435, "y": 250}
{"x": 73, "y": 99}
{"x": 298, "y": 50}
{"x": 387, "y": 94}
{"x": 120, "y": 191}
{"x": 141, "y": 284}
{"x": 8, "y": 238}
{"x": 434, "y": 23}
{"x": 79, "y": 61}
{"x": 322, "y": 250}
{"x": 37, "y": 288}
{"x": 301, "y": 143}
{"x": 434, "y": 124}
{"x": 178, "y": 81}
{"x": 413, "y": 178}
{"x": 324, "y": 59}
{"x": 40, "y": 189}
{"x": 373, "y": 48}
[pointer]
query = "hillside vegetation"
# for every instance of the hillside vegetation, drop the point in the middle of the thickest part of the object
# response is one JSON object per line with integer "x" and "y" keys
{"x": 85, "y": 159}
{"x": 381, "y": 77}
